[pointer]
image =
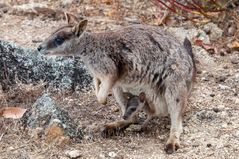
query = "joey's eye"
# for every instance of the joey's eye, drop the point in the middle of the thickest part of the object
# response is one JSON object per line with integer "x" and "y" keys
{"x": 58, "y": 41}
{"x": 132, "y": 109}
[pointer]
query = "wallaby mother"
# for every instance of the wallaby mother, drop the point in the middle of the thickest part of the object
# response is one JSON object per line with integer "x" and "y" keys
{"x": 134, "y": 57}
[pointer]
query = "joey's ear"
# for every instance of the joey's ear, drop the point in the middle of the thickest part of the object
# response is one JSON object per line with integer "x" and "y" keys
{"x": 79, "y": 28}
{"x": 71, "y": 19}
{"x": 142, "y": 97}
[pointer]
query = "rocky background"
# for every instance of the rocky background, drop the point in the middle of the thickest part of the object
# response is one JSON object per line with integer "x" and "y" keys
{"x": 29, "y": 66}
{"x": 63, "y": 118}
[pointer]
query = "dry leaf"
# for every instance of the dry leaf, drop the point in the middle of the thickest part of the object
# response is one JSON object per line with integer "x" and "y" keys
{"x": 234, "y": 45}
{"x": 108, "y": 2}
{"x": 111, "y": 13}
{"x": 199, "y": 42}
{"x": 12, "y": 112}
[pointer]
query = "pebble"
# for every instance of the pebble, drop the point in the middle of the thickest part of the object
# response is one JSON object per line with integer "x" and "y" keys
{"x": 209, "y": 145}
{"x": 237, "y": 77}
{"x": 232, "y": 30}
{"x": 228, "y": 50}
{"x": 102, "y": 156}
{"x": 223, "y": 87}
{"x": 205, "y": 78}
{"x": 212, "y": 95}
{"x": 74, "y": 154}
{"x": 224, "y": 125}
{"x": 134, "y": 128}
{"x": 112, "y": 154}
{"x": 234, "y": 61}
{"x": 223, "y": 52}
{"x": 216, "y": 110}
{"x": 221, "y": 78}
{"x": 213, "y": 30}
{"x": 66, "y": 2}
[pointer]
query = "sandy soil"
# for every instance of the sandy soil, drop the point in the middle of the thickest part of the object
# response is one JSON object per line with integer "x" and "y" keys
{"x": 211, "y": 125}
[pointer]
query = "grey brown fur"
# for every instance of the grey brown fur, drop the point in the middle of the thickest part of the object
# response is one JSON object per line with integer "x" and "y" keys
{"x": 137, "y": 58}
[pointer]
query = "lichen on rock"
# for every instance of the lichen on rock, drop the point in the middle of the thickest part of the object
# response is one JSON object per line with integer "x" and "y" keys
{"x": 30, "y": 66}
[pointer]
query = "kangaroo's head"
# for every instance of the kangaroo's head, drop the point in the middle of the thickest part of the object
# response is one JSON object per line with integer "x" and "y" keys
{"x": 61, "y": 41}
{"x": 134, "y": 105}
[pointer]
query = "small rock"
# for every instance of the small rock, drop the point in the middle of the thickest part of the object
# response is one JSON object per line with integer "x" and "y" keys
{"x": 221, "y": 78}
{"x": 237, "y": 77}
{"x": 134, "y": 128}
{"x": 112, "y": 154}
{"x": 222, "y": 52}
{"x": 36, "y": 40}
{"x": 132, "y": 19}
{"x": 211, "y": 51}
{"x": 5, "y": 10}
{"x": 235, "y": 52}
{"x": 228, "y": 50}
{"x": 209, "y": 145}
{"x": 102, "y": 156}
{"x": 216, "y": 110}
{"x": 223, "y": 87}
{"x": 232, "y": 30}
{"x": 234, "y": 61}
{"x": 226, "y": 67}
{"x": 212, "y": 95}
{"x": 74, "y": 154}
{"x": 205, "y": 115}
{"x": 213, "y": 30}
{"x": 205, "y": 78}
{"x": 195, "y": 145}
{"x": 224, "y": 125}
{"x": 206, "y": 61}
{"x": 66, "y": 3}
{"x": 10, "y": 148}
{"x": 51, "y": 121}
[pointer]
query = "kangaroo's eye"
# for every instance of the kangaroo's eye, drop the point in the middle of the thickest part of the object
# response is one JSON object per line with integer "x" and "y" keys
{"x": 58, "y": 41}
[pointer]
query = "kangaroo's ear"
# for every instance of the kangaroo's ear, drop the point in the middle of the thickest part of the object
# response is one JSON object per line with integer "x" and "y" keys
{"x": 71, "y": 19}
{"x": 79, "y": 28}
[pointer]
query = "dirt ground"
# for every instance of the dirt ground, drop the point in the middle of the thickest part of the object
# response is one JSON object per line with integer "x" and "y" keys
{"x": 211, "y": 125}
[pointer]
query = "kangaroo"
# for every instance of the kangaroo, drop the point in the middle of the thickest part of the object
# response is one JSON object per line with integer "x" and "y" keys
{"x": 136, "y": 57}
{"x": 135, "y": 104}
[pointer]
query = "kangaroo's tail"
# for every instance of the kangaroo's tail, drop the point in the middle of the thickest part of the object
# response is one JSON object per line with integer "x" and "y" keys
{"x": 188, "y": 46}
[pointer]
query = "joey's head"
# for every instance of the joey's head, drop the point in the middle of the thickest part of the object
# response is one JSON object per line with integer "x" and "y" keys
{"x": 134, "y": 105}
{"x": 61, "y": 42}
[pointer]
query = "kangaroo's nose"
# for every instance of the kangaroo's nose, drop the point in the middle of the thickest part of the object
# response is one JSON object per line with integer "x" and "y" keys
{"x": 39, "y": 48}
{"x": 124, "y": 117}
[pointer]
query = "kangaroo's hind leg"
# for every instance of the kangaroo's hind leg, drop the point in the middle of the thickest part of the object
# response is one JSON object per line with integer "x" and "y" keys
{"x": 176, "y": 97}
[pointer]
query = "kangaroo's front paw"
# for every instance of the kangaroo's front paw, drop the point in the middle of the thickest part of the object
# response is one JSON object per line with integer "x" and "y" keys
{"x": 108, "y": 130}
{"x": 102, "y": 100}
{"x": 172, "y": 146}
